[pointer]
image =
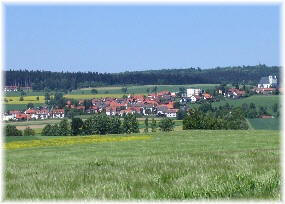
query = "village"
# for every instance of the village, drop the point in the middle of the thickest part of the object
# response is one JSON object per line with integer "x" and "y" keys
{"x": 161, "y": 104}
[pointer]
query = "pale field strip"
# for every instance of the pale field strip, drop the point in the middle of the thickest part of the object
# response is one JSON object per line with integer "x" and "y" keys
{"x": 71, "y": 141}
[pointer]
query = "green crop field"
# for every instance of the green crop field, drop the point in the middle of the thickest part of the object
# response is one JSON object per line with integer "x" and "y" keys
{"x": 26, "y": 99}
{"x": 258, "y": 100}
{"x": 181, "y": 165}
{"x": 140, "y": 89}
{"x": 265, "y": 124}
{"x": 8, "y": 107}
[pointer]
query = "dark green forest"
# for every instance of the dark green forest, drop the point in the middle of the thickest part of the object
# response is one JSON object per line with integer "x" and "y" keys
{"x": 39, "y": 80}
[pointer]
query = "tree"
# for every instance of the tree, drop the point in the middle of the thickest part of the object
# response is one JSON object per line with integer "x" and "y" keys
{"x": 166, "y": 124}
{"x": 275, "y": 108}
{"x": 94, "y": 91}
{"x": 148, "y": 90}
{"x": 193, "y": 120}
{"x": 146, "y": 125}
{"x": 11, "y": 130}
{"x": 21, "y": 98}
{"x": 102, "y": 124}
{"x": 181, "y": 114}
{"x": 46, "y": 131}
{"x": 76, "y": 125}
{"x": 37, "y": 98}
{"x": 23, "y": 93}
{"x": 47, "y": 96}
{"x": 130, "y": 124}
{"x": 64, "y": 128}
{"x": 154, "y": 89}
{"x": 30, "y": 105}
{"x": 182, "y": 89}
{"x": 176, "y": 105}
{"x": 153, "y": 125}
{"x": 29, "y": 132}
{"x": 124, "y": 90}
{"x": 115, "y": 125}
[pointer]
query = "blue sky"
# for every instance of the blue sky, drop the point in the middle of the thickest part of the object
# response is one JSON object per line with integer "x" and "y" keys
{"x": 127, "y": 38}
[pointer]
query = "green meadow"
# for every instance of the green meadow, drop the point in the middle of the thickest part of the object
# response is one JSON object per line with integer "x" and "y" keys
{"x": 258, "y": 100}
{"x": 180, "y": 165}
{"x": 265, "y": 124}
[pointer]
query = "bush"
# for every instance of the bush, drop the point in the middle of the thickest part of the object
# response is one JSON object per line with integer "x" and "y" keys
{"x": 11, "y": 130}
{"x": 130, "y": 124}
{"x": 166, "y": 124}
{"x": 29, "y": 132}
{"x": 230, "y": 120}
{"x": 153, "y": 125}
{"x": 115, "y": 125}
{"x": 46, "y": 131}
{"x": 102, "y": 124}
{"x": 94, "y": 91}
{"x": 76, "y": 125}
{"x": 64, "y": 128}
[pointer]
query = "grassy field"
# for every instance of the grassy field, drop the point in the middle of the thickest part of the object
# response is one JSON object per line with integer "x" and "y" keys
{"x": 141, "y": 89}
{"x": 21, "y": 107}
{"x": 90, "y": 96}
{"x": 265, "y": 124}
{"x": 181, "y": 165}
{"x": 28, "y": 93}
{"x": 27, "y": 99}
{"x": 258, "y": 100}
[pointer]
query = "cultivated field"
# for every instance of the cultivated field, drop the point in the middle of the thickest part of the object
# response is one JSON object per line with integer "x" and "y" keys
{"x": 90, "y": 96}
{"x": 142, "y": 89}
{"x": 179, "y": 165}
{"x": 27, "y": 99}
{"x": 265, "y": 124}
{"x": 258, "y": 100}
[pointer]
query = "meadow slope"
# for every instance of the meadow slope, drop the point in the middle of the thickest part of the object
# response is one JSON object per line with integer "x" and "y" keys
{"x": 181, "y": 165}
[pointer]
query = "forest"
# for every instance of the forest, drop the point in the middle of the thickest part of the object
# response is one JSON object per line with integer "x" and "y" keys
{"x": 39, "y": 79}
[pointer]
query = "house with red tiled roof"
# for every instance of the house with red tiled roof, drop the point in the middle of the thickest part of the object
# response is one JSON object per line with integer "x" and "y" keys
{"x": 57, "y": 113}
{"x": 21, "y": 116}
{"x": 265, "y": 90}
{"x": 207, "y": 96}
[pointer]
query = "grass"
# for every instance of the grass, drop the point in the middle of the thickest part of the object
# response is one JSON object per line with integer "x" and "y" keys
{"x": 265, "y": 124}
{"x": 142, "y": 89}
{"x": 21, "y": 107}
{"x": 178, "y": 165}
{"x": 91, "y": 96}
{"x": 27, "y": 99}
{"x": 258, "y": 100}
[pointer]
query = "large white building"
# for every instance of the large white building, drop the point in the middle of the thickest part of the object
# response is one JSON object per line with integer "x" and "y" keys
{"x": 192, "y": 92}
{"x": 267, "y": 82}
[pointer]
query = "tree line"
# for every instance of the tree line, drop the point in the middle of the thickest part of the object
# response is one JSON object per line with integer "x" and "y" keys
{"x": 67, "y": 81}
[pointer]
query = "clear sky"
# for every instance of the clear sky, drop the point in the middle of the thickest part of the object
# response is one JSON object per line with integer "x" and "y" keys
{"x": 127, "y": 38}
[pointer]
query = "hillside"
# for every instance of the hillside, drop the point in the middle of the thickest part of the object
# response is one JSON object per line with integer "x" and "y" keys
{"x": 73, "y": 80}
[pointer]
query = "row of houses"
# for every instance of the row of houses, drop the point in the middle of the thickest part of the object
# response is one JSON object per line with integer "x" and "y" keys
{"x": 144, "y": 105}
{"x": 16, "y": 88}
{"x": 31, "y": 114}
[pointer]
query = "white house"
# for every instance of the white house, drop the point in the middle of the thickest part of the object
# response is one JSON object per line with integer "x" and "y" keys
{"x": 190, "y": 92}
{"x": 171, "y": 113}
{"x": 7, "y": 117}
{"x": 267, "y": 82}
{"x": 194, "y": 99}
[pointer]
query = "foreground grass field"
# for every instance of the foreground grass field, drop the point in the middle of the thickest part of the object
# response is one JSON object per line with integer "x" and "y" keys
{"x": 173, "y": 166}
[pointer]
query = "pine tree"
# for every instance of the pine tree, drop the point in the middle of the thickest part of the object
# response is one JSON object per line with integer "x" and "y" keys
{"x": 146, "y": 125}
{"x": 153, "y": 125}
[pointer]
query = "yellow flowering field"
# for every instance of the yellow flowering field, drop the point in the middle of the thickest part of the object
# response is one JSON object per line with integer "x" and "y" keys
{"x": 71, "y": 140}
{"x": 27, "y": 99}
{"x": 90, "y": 96}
